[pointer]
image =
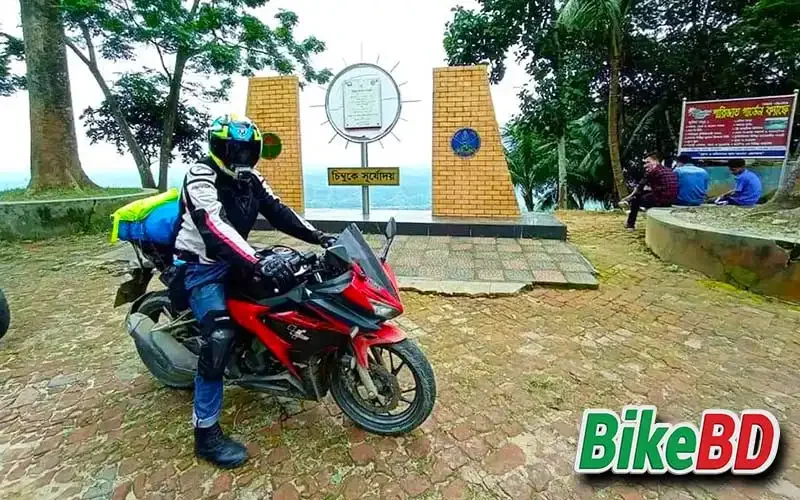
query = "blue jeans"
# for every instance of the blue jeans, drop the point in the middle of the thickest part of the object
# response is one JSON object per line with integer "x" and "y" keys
{"x": 206, "y": 287}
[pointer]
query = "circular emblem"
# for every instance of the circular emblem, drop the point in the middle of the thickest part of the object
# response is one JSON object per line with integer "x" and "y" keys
{"x": 363, "y": 103}
{"x": 270, "y": 146}
{"x": 465, "y": 142}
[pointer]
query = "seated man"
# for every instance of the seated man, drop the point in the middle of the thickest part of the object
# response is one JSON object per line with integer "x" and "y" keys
{"x": 748, "y": 186}
{"x": 693, "y": 182}
{"x": 663, "y": 184}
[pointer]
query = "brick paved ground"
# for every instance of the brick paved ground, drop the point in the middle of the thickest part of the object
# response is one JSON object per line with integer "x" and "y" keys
{"x": 478, "y": 259}
{"x": 477, "y": 265}
{"x": 80, "y": 417}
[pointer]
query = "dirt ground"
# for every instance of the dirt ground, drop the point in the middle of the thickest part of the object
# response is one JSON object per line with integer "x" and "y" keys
{"x": 761, "y": 221}
{"x": 81, "y": 418}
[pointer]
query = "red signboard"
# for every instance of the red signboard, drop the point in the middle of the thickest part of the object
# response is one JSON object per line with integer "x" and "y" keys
{"x": 737, "y": 128}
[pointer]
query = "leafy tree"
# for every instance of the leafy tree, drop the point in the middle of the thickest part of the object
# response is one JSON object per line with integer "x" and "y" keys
{"x": 773, "y": 26}
{"x": 665, "y": 50}
{"x": 534, "y": 164}
{"x": 141, "y": 97}
{"x": 54, "y": 147}
{"x": 531, "y": 30}
{"x": 11, "y": 49}
{"x": 529, "y": 161}
{"x": 610, "y": 18}
{"x": 203, "y": 39}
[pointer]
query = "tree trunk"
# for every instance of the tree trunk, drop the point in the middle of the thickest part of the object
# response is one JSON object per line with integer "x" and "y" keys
{"x": 527, "y": 197}
{"x": 169, "y": 120}
{"x": 54, "y": 146}
{"x": 142, "y": 164}
{"x": 562, "y": 172}
{"x": 788, "y": 193}
{"x": 614, "y": 101}
{"x": 639, "y": 126}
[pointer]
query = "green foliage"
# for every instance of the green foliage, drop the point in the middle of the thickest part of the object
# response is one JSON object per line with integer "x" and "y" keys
{"x": 200, "y": 45}
{"x": 606, "y": 16}
{"x": 533, "y": 163}
{"x": 219, "y": 37}
{"x": 142, "y": 99}
{"x": 11, "y": 49}
{"x": 668, "y": 49}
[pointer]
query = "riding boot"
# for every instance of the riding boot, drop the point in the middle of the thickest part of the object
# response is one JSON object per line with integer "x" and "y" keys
{"x": 211, "y": 444}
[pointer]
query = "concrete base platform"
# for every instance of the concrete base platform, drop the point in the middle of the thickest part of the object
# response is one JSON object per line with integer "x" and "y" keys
{"x": 423, "y": 223}
{"x": 748, "y": 261}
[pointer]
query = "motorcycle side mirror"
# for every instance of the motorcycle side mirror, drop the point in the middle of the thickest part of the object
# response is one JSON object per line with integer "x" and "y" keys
{"x": 391, "y": 229}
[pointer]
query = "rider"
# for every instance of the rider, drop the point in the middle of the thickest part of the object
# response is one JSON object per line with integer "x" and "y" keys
{"x": 220, "y": 201}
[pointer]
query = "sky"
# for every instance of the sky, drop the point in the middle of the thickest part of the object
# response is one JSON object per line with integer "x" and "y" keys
{"x": 408, "y": 32}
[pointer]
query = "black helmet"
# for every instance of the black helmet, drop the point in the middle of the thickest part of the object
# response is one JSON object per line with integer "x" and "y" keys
{"x": 235, "y": 144}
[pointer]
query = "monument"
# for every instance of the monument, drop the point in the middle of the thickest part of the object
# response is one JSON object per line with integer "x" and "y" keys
{"x": 363, "y": 105}
{"x": 470, "y": 173}
{"x": 274, "y": 104}
{"x": 472, "y": 192}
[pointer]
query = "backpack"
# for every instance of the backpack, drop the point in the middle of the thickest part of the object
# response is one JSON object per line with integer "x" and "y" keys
{"x": 151, "y": 226}
{"x": 150, "y": 220}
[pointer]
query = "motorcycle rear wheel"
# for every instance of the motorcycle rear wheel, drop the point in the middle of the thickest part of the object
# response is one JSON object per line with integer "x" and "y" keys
{"x": 158, "y": 308}
{"x": 346, "y": 390}
{"x": 5, "y": 314}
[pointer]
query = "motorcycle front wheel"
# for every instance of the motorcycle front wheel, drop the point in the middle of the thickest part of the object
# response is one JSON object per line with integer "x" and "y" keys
{"x": 5, "y": 315}
{"x": 406, "y": 390}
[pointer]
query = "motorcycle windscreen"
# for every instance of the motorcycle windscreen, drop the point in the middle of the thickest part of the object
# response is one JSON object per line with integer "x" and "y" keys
{"x": 359, "y": 250}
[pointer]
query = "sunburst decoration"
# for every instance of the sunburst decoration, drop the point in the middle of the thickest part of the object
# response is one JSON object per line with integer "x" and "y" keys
{"x": 376, "y": 66}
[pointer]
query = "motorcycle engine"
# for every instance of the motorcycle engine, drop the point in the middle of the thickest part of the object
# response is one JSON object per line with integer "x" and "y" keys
{"x": 257, "y": 360}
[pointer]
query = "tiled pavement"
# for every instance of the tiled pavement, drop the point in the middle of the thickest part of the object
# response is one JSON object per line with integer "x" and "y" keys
{"x": 480, "y": 260}
{"x": 81, "y": 418}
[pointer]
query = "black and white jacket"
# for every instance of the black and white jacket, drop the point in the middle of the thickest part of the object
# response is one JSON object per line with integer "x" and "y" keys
{"x": 218, "y": 213}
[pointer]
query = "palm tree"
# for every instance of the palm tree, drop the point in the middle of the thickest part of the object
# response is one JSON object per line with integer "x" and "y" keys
{"x": 607, "y": 16}
{"x": 539, "y": 170}
{"x": 527, "y": 161}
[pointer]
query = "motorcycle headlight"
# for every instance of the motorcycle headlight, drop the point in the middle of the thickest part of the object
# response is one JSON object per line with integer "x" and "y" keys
{"x": 384, "y": 311}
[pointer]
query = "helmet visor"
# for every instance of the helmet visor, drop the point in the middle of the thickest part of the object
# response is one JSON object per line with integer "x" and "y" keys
{"x": 242, "y": 153}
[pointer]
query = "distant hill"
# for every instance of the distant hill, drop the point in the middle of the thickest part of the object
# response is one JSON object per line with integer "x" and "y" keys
{"x": 413, "y": 193}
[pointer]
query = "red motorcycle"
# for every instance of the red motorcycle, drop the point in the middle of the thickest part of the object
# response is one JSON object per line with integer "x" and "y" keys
{"x": 330, "y": 332}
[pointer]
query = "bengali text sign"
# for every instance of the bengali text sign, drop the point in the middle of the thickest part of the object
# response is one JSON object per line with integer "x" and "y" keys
{"x": 387, "y": 176}
{"x": 738, "y": 128}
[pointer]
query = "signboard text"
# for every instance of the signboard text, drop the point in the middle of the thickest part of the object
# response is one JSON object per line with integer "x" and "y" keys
{"x": 737, "y": 128}
{"x": 389, "y": 176}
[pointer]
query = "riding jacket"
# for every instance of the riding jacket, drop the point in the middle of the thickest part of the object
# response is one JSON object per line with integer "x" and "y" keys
{"x": 217, "y": 213}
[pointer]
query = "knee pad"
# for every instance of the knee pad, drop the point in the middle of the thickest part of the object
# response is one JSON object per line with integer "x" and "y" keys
{"x": 218, "y": 338}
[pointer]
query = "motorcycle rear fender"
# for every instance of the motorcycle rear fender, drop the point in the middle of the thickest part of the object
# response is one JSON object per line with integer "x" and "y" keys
{"x": 386, "y": 334}
{"x": 135, "y": 287}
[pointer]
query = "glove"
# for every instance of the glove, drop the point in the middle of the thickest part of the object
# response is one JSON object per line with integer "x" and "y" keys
{"x": 276, "y": 272}
{"x": 325, "y": 240}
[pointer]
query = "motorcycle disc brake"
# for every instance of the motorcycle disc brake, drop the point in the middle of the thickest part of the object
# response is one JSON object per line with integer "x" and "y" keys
{"x": 388, "y": 390}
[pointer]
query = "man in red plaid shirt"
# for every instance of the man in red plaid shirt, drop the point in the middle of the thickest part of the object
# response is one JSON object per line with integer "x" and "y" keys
{"x": 663, "y": 188}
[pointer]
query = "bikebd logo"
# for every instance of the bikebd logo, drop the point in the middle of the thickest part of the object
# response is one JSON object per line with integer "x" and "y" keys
{"x": 637, "y": 444}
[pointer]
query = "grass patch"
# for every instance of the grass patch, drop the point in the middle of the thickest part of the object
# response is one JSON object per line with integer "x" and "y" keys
{"x": 63, "y": 194}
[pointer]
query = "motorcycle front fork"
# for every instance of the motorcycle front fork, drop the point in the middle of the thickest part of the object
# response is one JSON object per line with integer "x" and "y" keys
{"x": 364, "y": 376}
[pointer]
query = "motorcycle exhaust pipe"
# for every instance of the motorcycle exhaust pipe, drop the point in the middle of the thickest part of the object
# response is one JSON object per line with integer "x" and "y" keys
{"x": 166, "y": 358}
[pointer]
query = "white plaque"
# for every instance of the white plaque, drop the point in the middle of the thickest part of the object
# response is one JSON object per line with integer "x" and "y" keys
{"x": 362, "y": 103}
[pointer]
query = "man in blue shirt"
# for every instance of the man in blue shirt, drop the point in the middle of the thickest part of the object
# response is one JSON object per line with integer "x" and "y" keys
{"x": 693, "y": 182}
{"x": 748, "y": 186}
